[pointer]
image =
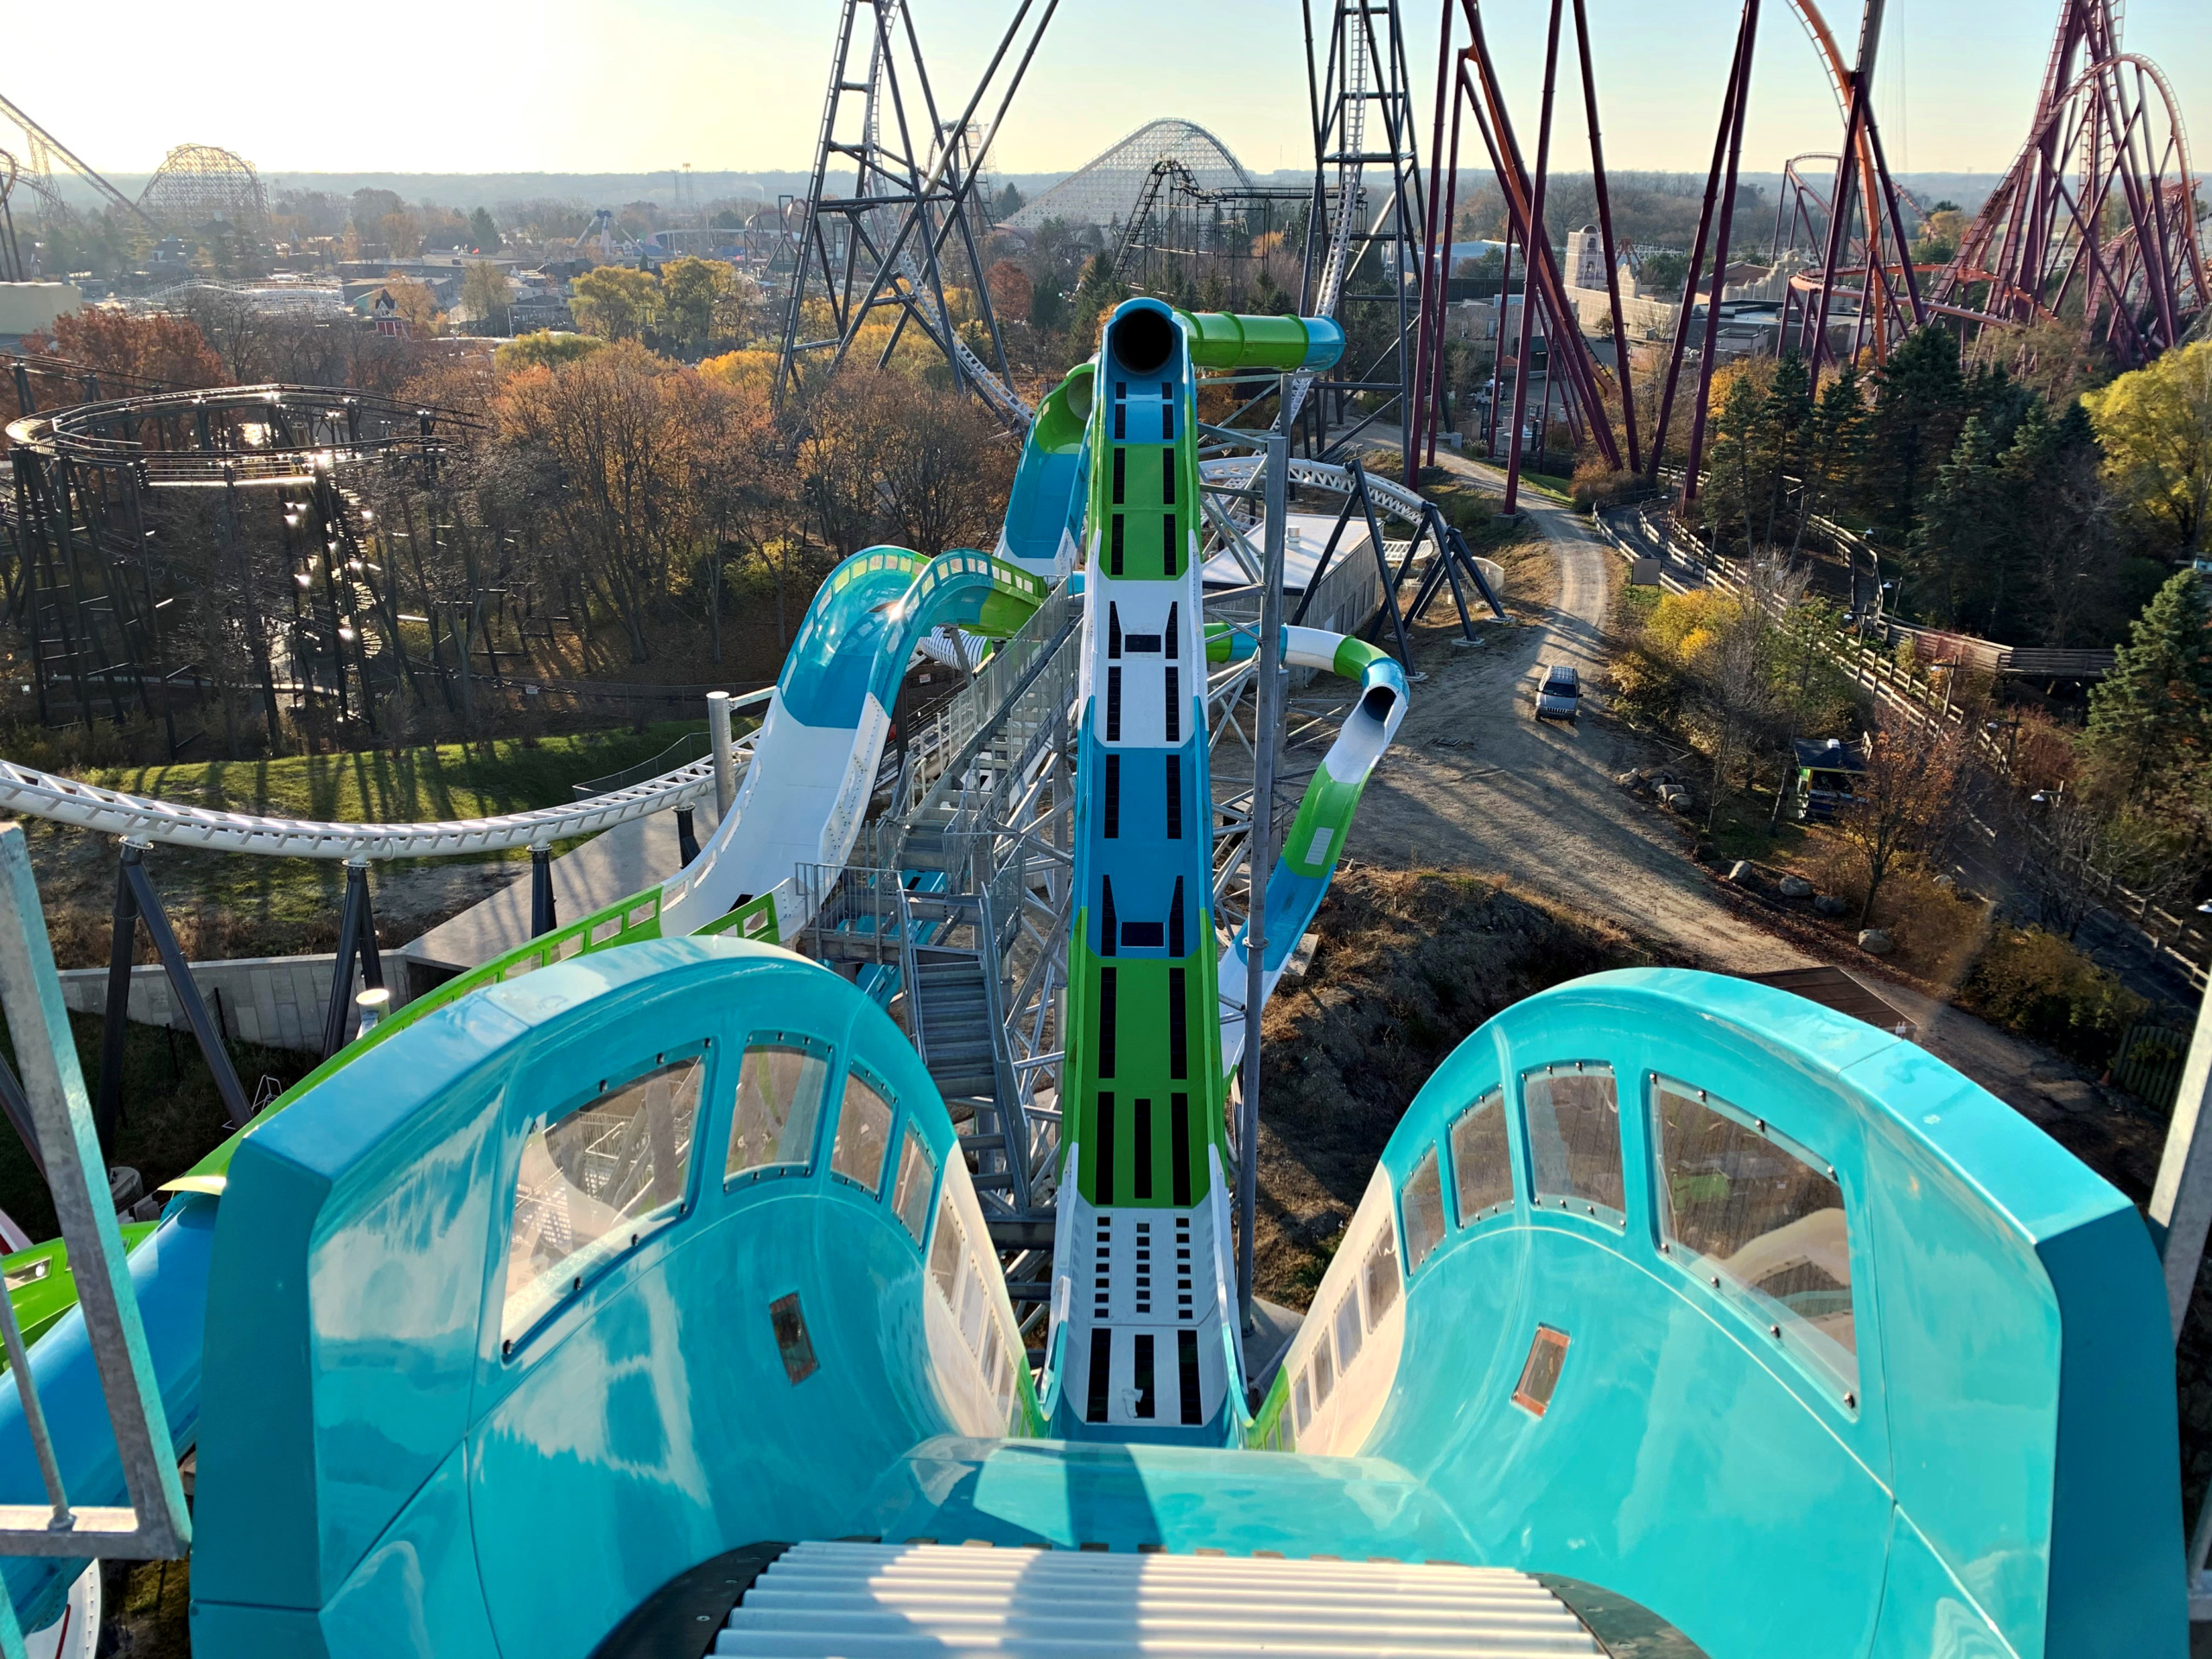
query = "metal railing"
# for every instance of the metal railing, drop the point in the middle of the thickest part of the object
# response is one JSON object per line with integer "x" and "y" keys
{"x": 154, "y": 1524}
{"x": 2180, "y": 940}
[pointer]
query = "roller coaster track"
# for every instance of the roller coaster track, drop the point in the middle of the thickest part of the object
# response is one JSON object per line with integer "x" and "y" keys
{"x": 27, "y": 791}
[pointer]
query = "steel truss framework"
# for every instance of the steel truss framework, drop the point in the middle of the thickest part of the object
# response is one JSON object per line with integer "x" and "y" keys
{"x": 909, "y": 231}
{"x": 1179, "y": 223}
{"x": 1363, "y": 246}
{"x": 94, "y": 487}
{"x": 2096, "y": 222}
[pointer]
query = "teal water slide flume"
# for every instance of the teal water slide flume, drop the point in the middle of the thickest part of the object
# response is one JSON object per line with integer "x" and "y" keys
{"x": 644, "y": 1304}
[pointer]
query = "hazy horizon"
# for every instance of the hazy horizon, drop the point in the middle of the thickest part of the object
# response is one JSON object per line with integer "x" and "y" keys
{"x": 597, "y": 88}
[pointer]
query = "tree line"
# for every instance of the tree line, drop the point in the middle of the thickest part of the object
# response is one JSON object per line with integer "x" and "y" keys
{"x": 2027, "y": 510}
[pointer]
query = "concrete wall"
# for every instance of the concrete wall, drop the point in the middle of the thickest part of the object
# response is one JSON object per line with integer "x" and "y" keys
{"x": 278, "y": 1001}
{"x": 26, "y": 308}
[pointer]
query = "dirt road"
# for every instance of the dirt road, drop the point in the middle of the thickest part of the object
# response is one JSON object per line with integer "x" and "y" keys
{"x": 1475, "y": 781}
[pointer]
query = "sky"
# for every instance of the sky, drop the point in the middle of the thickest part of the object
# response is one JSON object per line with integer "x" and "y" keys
{"x": 617, "y": 86}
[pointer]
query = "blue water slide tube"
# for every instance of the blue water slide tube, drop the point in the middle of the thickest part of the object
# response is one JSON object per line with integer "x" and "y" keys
{"x": 1044, "y": 515}
{"x": 814, "y": 764}
{"x": 462, "y": 1403}
{"x": 1767, "y": 1319}
{"x": 1300, "y": 878}
{"x": 803, "y": 801}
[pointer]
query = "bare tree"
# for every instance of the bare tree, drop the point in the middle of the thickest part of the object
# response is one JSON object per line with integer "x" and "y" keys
{"x": 1903, "y": 800}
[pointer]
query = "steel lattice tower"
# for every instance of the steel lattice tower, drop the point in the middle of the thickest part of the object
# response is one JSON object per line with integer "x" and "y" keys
{"x": 909, "y": 229}
{"x": 1362, "y": 233}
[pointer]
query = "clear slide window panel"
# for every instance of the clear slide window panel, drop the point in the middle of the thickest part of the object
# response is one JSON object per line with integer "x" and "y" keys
{"x": 1482, "y": 1161}
{"x": 1349, "y": 1333}
{"x": 1421, "y": 1202}
{"x": 780, "y": 1089}
{"x": 947, "y": 1251}
{"x": 1759, "y": 1216}
{"x": 910, "y": 1192}
{"x": 863, "y": 1133}
{"x": 1381, "y": 1272}
{"x": 1575, "y": 1137}
{"x": 592, "y": 1181}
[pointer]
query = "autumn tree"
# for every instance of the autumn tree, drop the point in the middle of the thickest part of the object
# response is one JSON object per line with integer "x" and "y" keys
{"x": 169, "y": 350}
{"x": 543, "y": 350}
{"x": 944, "y": 464}
{"x": 1903, "y": 802}
{"x": 1012, "y": 291}
{"x": 704, "y": 300}
{"x": 615, "y": 302}
{"x": 484, "y": 294}
{"x": 592, "y": 446}
{"x": 2156, "y": 426}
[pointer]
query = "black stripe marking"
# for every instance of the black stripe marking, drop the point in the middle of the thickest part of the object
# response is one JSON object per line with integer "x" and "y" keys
{"x": 1179, "y": 1131}
{"x": 1166, "y": 475}
{"x": 1114, "y": 704}
{"x": 1175, "y": 800}
{"x": 1178, "y": 1033}
{"x": 1144, "y": 1379}
{"x": 1143, "y": 1147}
{"x": 1169, "y": 541}
{"x": 1107, "y": 976}
{"x": 1174, "y": 634}
{"x": 1187, "y": 1365}
{"x": 1114, "y": 549}
{"x": 1121, "y": 474}
{"x": 1167, "y": 412}
{"x": 1102, "y": 1374}
{"x": 1101, "y": 1178}
{"x": 1113, "y": 629}
{"x": 1109, "y": 935}
{"x": 1174, "y": 705}
{"x": 1113, "y": 814}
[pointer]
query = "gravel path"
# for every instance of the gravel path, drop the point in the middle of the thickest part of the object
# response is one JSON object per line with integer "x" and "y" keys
{"x": 1475, "y": 782}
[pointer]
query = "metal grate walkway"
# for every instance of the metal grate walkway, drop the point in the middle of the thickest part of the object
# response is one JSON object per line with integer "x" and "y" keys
{"x": 891, "y": 1601}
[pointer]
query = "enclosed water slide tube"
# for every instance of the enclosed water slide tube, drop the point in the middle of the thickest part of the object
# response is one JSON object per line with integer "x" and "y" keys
{"x": 1767, "y": 1319}
{"x": 1300, "y": 878}
{"x": 814, "y": 761}
{"x": 1744, "y": 1314}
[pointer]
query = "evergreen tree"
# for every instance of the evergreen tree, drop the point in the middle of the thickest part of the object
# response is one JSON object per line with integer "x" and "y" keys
{"x": 1920, "y": 406}
{"x": 1965, "y": 532}
{"x": 2151, "y": 718}
{"x": 2067, "y": 561}
{"x": 1786, "y": 420}
{"x": 1731, "y": 497}
{"x": 1835, "y": 449}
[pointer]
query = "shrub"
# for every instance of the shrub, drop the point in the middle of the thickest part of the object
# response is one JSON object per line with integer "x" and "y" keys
{"x": 1597, "y": 485}
{"x": 2037, "y": 984}
{"x": 1936, "y": 930}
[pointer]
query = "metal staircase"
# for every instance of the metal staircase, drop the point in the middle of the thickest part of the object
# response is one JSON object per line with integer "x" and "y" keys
{"x": 891, "y": 1601}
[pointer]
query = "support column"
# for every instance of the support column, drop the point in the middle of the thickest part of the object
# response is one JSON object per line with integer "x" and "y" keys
{"x": 357, "y": 944}
{"x": 2181, "y": 1202}
{"x": 109, "y": 1110}
{"x": 1259, "y": 855}
{"x": 687, "y": 837}
{"x": 542, "y": 917}
{"x": 181, "y": 986}
{"x": 718, "y": 746}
